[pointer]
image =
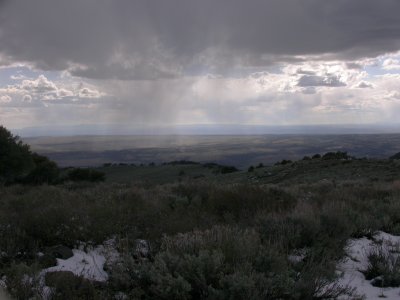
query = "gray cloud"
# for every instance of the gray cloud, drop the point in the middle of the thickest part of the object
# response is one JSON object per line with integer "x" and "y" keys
{"x": 132, "y": 39}
{"x": 314, "y": 80}
{"x": 305, "y": 72}
{"x": 26, "y": 98}
{"x": 310, "y": 90}
{"x": 354, "y": 65}
{"x": 364, "y": 85}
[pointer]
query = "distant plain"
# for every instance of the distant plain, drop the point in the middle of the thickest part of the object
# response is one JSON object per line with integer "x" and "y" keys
{"x": 237, "y": 150}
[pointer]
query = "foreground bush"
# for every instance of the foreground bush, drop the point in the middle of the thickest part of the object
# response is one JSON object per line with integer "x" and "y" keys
{"x": 45, "y": 171}
{"x": 224, "y": 263}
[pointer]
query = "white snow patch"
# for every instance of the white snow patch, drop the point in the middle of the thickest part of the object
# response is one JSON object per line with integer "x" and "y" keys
{"x": 88, "y": 264}
{"x": 356, "y": 261}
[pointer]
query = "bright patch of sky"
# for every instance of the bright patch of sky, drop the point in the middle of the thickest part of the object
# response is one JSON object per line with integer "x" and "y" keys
{"x": 386, "y": 64}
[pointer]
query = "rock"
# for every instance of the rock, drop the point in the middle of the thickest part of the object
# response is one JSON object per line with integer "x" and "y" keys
{"x": 60, "y": 251}
{"x": 377, "y": 281}
{"x": 53, "y": 278}
{"x": 141, "y": 249}
{"x": 47, "y": 260}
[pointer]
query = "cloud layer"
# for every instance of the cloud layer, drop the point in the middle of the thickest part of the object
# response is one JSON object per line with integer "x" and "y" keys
{"x": 191, "y": 62}
{"x": 152, "y": 39}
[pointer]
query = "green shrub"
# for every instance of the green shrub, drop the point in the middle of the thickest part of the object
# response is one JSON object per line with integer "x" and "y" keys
{"x": 227, "y": 169}
{"x": 242, "y": 202}
{"x": 383, "y": 268}
{"x": 240, "y": 285}
{"x": 291, "y": 232}
{"x": 316, "y": 280}
{"x": 45, "y": 171}
{"x": 283, "y": 162}
{"x": 237, "y": 245}
{"x": 198, "y": 274}
{"x": 336, "y": 155}
{"x": 22, "y": 281}
{"x": 67, "y": 286}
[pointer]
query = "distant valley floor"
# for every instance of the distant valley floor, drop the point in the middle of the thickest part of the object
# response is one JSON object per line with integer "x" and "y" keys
{"x": 237, "y": 150}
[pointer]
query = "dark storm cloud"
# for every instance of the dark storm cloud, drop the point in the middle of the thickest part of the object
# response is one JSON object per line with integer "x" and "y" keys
{"x": 135, "y": 39}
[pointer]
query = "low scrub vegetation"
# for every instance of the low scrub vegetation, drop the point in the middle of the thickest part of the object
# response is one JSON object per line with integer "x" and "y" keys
{"x": 208, "y": 241}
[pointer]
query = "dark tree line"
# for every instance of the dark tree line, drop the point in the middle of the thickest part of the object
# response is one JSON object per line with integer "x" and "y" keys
{"x": 18, "y": 164}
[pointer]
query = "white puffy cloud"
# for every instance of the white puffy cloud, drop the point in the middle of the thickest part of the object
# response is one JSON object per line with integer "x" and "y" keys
{"x": 5, "y": 99}
{"x": 41, "y": 85}
{"x": 41, "y": 89}
{"x": 391, "y": 64}
{"x": 62, "y": 92}
{"x": 89, "y": 93}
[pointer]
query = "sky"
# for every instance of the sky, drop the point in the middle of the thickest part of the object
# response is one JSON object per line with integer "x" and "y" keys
{"x": 210, "y": 62}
